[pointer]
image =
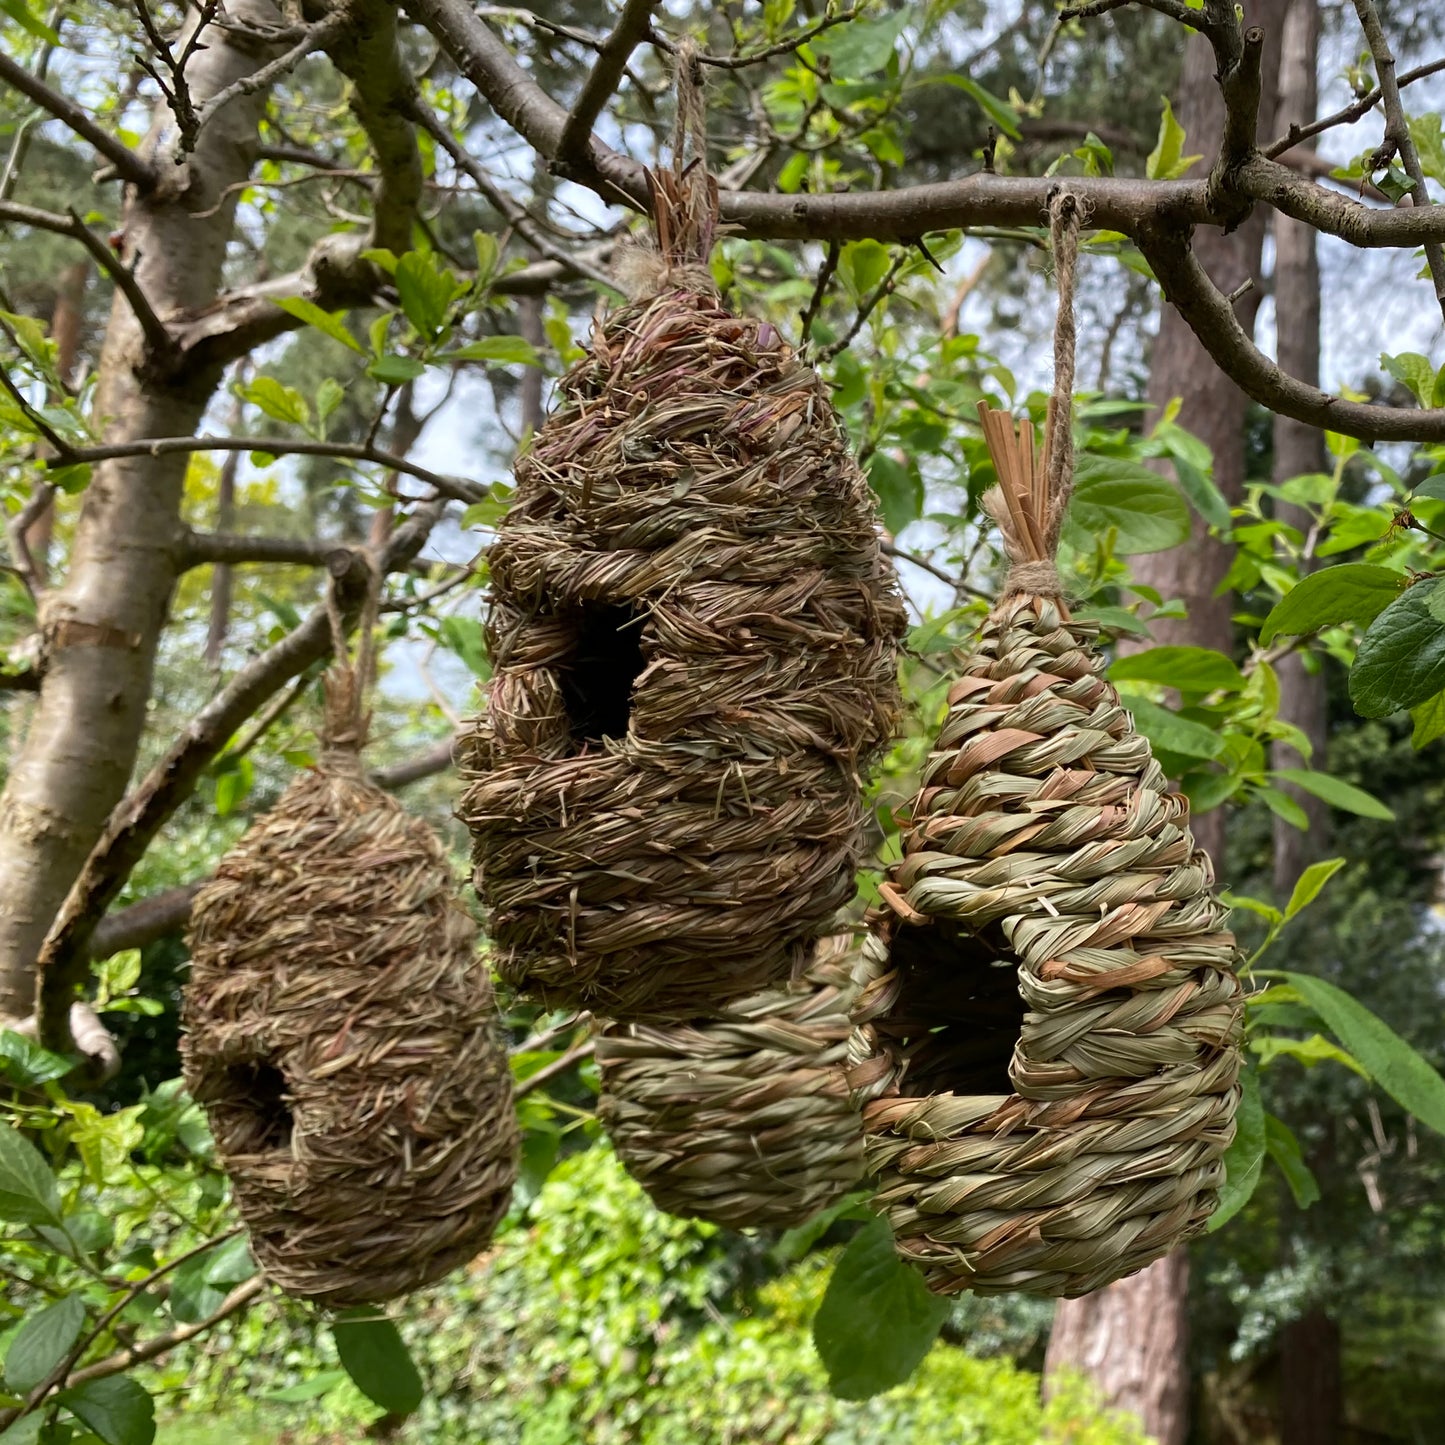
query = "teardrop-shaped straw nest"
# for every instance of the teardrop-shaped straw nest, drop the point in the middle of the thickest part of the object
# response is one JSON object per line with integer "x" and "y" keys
{"x": 343, "y": 1040}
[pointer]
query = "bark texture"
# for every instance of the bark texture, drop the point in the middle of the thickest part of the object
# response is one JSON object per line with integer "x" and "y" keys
{"x": 1312, "y": 1403}
{"x": 1298, "y": 449}
{"x": 1133, "y": 1337}
{"x": 1132, "y": 1340}
{"x": 101, "y": 628}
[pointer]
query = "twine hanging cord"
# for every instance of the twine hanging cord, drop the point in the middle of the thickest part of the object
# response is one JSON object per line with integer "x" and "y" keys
{"x": 1033, "y": 492}
{"x": 347, "y": 684}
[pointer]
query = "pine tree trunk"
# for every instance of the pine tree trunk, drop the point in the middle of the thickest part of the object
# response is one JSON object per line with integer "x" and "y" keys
{"x": 1133, "y": 1337}
{"x": 102, "y": 626}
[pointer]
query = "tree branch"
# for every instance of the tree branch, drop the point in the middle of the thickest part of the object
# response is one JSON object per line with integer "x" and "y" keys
{"x": 558, "y": 1066}
{"x": 1398, "y": 140}
{"x": 602, "y": 81}
{"x": 458, "y": 488}
{"x": 128, "y": 165}
{"x": 65, "y": 958}
{"x": 1211, "y": 317}
{"x": 196, "y": 549}
{"x": 158, "y": 338}
{"x": 1347, "y": 115}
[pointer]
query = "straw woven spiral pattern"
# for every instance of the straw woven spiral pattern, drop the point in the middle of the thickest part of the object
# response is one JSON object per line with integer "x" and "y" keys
{"x": 1049, "y": 1026}
{"x": 342, "y": 1039}
{"x": 745, "y": 1120}
{"x": 693, "y": 629}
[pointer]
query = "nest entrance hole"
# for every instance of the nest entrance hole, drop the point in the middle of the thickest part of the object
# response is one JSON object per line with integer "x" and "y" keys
{"x": 959, "y": 1014}
{"x": 262, "y": 1120}
{"x": 603, "y": 663}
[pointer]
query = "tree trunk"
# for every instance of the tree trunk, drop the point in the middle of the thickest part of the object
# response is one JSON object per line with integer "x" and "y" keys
{"x": 101, "y": 628}
{"x": 1298, "y": 449}
{"x": 1310, "y": 1391}
{"x": 1132, "y": 1338}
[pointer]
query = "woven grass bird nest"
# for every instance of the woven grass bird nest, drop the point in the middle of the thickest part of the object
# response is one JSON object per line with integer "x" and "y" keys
{"x": 693, "y": 629}
{"x": 342, "y": 1038}
{"x": 746, "y": 1120}
{"x": 1050, "y": 1022}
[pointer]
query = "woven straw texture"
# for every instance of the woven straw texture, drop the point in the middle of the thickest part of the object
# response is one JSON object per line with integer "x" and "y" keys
{"x": 694, "y": 631}
{"x": 342, "y": 1038}
{"x": 744, "y": 1120}
{"x": 1049, "y": 1026}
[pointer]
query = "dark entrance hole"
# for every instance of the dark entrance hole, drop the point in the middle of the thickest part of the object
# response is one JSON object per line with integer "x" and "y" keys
{"x": 959, "y": 1014}
{"x": 597, "y": 677}
{"x": 258, "y": 1112}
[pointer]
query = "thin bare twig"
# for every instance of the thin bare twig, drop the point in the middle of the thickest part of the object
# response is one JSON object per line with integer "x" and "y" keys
{"x": 820, "y": 289}
{"x": 1398, "y": 140}
{"x": 1346, "y": 115}
{"x": 768, "y": 52}
{"x": 548, "y": 1072}
{"x": 631, "y": 28}
{"x": 884, "y": 288}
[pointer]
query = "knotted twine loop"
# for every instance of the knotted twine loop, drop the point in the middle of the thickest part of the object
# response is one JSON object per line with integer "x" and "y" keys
{"x": 346, "y": 718}
{"x": 1033, "y": 493}
{"x": 684, "y": 199}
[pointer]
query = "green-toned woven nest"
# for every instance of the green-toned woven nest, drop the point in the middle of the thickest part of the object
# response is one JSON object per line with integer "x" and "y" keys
{"x": 1049, "y": 1028}
{"x": 745, "y": 1120}
{"x": 693, "y": 628}
{"x": 342, "y": 1037}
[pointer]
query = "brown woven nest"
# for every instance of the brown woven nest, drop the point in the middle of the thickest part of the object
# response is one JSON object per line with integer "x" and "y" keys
{"x": 694, "y": 629}
{"x": 744, "y": 1120}
{"x": 1050, "y": 1025}
{"x": 342, "y": 1037}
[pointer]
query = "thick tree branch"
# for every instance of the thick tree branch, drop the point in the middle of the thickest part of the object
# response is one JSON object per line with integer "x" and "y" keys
{"x": 1398, "y": 140}
{"x": 128, "y": 165}
{"x": 602, "y": 81}
{"x": 65, "y": 958}
{"x": 458, "y": 488}
{"x": 1211, "y": 317}
{"x": 196, "y": 549}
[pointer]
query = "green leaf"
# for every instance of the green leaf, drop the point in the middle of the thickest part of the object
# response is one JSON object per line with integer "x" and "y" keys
{"x": 862, "y": 265}
{"x": 329, "y": 322}
{"x": 116, "y": 1408}
{"x": 394, "y": 370}
{"x": 27, "y": 1187}
{"x": 319, "y": 1384}
{"x": 42, "y": 1342}
{"x": 373, "y": 1354}
{"x": 1432, "y": 488}
{"x": 1206, "y": 791}
{"x": 862, "y": 47}
{"x": 1414, "y": 371}
{"x": 1141, "y": 508}
{"x": 426, "y": 290}
{"x": 1190, "y": 669}
{"x": 1282, "y": 1146}
{"x": 506, "y": 350}
{"x": 1000, "y": 112}
{"x": 24, "y": 1062}
{"x": 1401, "y": 661}
{"x": 1401, "y": 1072}
{"x": 1167, "y": 161}
{"x": 1310, "y": 884}
{"x": 1336, "y": 792}
{"x": 1244, "y": 1159}
{"x": 877, "y": 1320}
{"x": 1349, "y": 592}
{"x": 899, "y": 487}
{"x": 1283, "y": 806}
{"x": 277, "y": 400}
{"x": 1169, "y": 731}
{"x": 1429, "y": 719}
{"x": 19, "y": 12}
{"x": 1316, "y": 1049}
{"x": 27, "y": 1430}
{"x": 465, "y": 637}
{"x": 1204, "y": 496}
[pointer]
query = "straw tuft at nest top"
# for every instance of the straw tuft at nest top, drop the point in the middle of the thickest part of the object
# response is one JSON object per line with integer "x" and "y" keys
{"x": 693, "y": 629}
{"x": 1049, "y": 1029}
{"x": 744, "y": 1120}
{"x": 342, "y": 1039}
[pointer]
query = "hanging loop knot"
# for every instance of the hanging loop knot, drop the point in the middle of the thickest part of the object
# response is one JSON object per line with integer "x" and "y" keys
{"x": 1033, "y": 491}
{"x": 684, "y": 198}
{"x": 346, "y": 719}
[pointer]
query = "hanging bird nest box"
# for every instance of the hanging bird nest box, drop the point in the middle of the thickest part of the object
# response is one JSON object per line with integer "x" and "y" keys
{"x": 745, "y": 1120}
{"x": 342, "y": 1038}
{"x": 693, "y": 629}
{"x": 1049, "y": 1028}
